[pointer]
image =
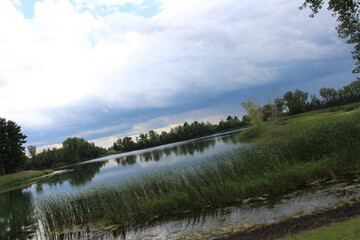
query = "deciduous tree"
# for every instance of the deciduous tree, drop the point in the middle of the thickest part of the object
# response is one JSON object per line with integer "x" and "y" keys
{"x": 296, "y": 101}
{"x": 32, "y": 151}
{"x": 329, "y": 95}
{"x": 347, "y": 13}
{"x": 253, "y": 109}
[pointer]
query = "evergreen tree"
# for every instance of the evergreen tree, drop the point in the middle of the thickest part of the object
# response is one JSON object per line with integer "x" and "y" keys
{"x": 11, "y": 150}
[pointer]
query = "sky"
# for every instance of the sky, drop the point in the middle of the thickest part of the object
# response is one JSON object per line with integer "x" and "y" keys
{"x": 114, "y": 68}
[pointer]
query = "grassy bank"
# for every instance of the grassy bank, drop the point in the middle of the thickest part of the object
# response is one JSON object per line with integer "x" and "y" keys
{"x": 348, "y": 230}
{"x": 284, "y": 158}
{"x": 19, "y": 177}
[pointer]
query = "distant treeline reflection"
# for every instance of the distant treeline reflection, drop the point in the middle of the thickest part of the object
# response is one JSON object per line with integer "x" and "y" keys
{"x": 176, "y": 134}
{"x": 88, "y": 172}
{"x": 75, "y": 150}
{"x": 190, "y": 148}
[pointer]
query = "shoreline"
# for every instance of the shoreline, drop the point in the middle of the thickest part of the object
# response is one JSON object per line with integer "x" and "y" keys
{"x": 300, "y": 224}
{"x": 25, "y": 183}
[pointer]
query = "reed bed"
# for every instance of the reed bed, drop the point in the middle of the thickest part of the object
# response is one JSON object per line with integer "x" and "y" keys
{"x": 283, "y": 159}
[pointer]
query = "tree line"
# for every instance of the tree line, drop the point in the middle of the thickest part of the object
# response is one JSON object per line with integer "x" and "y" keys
{"x": 295, "y": 102}
{"x": 290, "y": 104}
{"x": 299, "y": 101}
{"x": 74, "y": 150}
{"x": 179, "y": 133}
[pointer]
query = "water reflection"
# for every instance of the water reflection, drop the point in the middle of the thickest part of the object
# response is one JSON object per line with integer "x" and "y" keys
{"x": 128, "y": 160}
{"x": 119, "y": 167}
{"x": 213, "y": 224}
{"x": 234, "y": 139}
{"x": 16, "y": 215}
{"x": 189, "y": 148}
{"x": 88, "y": 172}
{"x": 17, "y": 207}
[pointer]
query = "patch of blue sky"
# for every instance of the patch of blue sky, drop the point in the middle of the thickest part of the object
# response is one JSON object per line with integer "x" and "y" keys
{"x": 91, "y": 43}
{"x": 148, "y": 9}
{"x": 26, "y": 7}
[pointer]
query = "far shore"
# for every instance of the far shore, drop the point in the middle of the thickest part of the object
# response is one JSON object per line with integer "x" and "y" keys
{"x": 23, "y": 179}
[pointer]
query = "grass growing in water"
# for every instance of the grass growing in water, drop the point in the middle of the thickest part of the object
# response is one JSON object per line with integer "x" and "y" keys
{"x": 287, "y": 157}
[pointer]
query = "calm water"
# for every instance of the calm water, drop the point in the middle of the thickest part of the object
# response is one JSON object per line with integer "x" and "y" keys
{"x": 17, "y": 213}
{"x": 222, "y": 222}
{"x": 18, "y": 217}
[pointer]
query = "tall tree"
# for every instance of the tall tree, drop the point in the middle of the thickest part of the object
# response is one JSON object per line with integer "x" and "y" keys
{"x": 11, "y": 150}
{"x": 78, "y": 149}
{"x": 269, "y": 111}
{"x": 314, "y": 103}
{"x": 347, "y": 13}
{"x": 350, "y": 93}
{"x": 32, "y": 150}
{"x": 329, "y": 95}
{"x": 154, "y": 138}
{"x": 296, "y": 101}
{"x": 118, "y": 145}
{"x": 128, "y": 144}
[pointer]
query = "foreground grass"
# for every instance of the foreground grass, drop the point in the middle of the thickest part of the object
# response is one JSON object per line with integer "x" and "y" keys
{"x": 349, "y": 230}
{"x": 285, "y": 158}
{"x": 16, "y": 178}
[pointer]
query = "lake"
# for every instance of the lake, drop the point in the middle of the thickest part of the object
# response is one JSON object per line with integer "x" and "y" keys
{"x": 17, "y": 208}
{"x": 18, "y": 215}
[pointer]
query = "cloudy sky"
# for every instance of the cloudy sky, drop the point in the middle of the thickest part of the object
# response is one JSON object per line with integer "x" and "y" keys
{"x": 101, "y": 69}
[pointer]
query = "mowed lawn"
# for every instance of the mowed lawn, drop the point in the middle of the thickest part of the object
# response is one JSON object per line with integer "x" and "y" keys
{"x": 20, "y": 179}
{"x": 11, "y": 178}
{"x": 349, "y": 230}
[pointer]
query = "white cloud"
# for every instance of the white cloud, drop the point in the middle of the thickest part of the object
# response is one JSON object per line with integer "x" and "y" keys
{"x": 17, "y": 3}
{"x": 106, "y": 7}
{"x": 64, "y": 56}
{"x": 103, "y": 130}
{"x": 109, "y": 3}
{"x": 43, "y": 62}
{"x": 46, "y": 147}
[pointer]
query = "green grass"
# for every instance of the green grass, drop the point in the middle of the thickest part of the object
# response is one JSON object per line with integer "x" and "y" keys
{"x": 23, "y": 176}
{"x": 349, "y": 230}
{"x": 321, "y": 113}
{"x": 284, "y": 158}
{"x": 254, "y": 132}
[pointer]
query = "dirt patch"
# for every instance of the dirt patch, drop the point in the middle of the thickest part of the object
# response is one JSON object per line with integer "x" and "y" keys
{"x": 300, "y": 224}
